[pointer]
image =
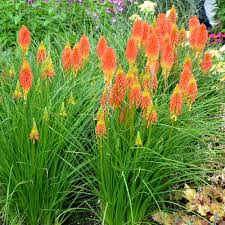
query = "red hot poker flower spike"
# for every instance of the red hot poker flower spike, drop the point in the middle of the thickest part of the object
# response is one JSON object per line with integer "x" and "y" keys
{"x": 185, "y": 76}
{"x": 131, "y": 51}
{"x": 137, "y": 30}
{"x": 41, "y": 53}
{"x": 206, "y": 64}
{"x": 101, "y": 47}
{"x": 67, "y": 57}
{"x": 191, "y": 92}
{"x": 26, "y": 77}
{"x": 109, "y": 64}
{"x": 84, "y": 47}
{"x": 76, "y": 58}
{"x": 176, "y": 103}
{"x": 24, "y": 38}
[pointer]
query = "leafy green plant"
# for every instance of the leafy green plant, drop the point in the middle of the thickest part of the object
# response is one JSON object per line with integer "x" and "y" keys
{"x": 221, "y": 14}
{"x": 43, "y": 164}
{"x": 142, "y": 160}
{"x": 52, "y": 20}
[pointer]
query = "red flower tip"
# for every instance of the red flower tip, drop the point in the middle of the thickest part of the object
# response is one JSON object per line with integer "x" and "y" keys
{"x": 109, "y": 64}
{"x": 67, "y": 57}
{"x": 26, "y": 77}
{"x": 131, "y": 51}
{"x": 193, "y": 22}
{"x": 101, "y": 47}
{"x": 135, "y": 94}
{"x": 137, "y": 30}
{"x": 76, "y": 58}
{"x": 84, "y": 46}
{"x": 185, "y": 76}
{"x": 206, "y": 64}
{"x": 24, "y": 38}
{"x": 192, "y": 91}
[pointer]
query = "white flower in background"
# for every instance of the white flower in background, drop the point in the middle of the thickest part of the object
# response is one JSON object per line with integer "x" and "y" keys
{"x": 135, "y": 17}
{"x": 222, "y": 49}
{"x": 219, "y": 68}
{"x": 215, "y": 53}
{"x": 148, "y": 7}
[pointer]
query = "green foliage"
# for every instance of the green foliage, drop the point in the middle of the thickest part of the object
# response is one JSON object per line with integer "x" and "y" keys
{"x": 42, "y": 183}
{"x": 57, "y": 20}
{"x": 221, "y": 14}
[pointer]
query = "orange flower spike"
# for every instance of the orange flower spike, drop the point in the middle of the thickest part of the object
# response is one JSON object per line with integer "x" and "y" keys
{"x": 185, "y": 76}
{"x": 135, "y": 94}
{"x": 120, "y": 78}
{"x": 26, "y": 77}
{"x": 67, "y": 57}
{"x": 187, "y": 62}
{"x": 48, "y": 69}
{"x": 193, "y": 22}
{"x": 206, "y": 64}
{"x": 145, "y": 99}
{"x": 173, "y": 15}
{"x": 152, "y": 48}
{"x": 100, "y": 129}
{"x": 154, "y": 81}
{"x": 137, "y": 30}
{"x": 76, "y": 58}
{"x": 176, "y": 103}
{"x": 101, "y": 47}
{"x": 131, "y": 51}
{"x": 24, "y": 38}
{"x": 174, "y": 34}
{"x": 41, "y": 53}
{"x": 192, "y": 92}
{"x": 84, "y": 46}
{"x": 109, "y": 64}
{"x": 34, "y": 134}
{"x": 167, "y": 59}
{"x": 116, "y": 96}
{"x": 151, "y": 115}
{"x": 146, "y": 32}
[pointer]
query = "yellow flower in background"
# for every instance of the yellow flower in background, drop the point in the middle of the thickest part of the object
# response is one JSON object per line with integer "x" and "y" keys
{"x": 138, "y": 139}
{"x": 71, "y": 99}
{"x": 12, "y": 71}
{"x": 34, "y": 134}
{"x": 17, "y": 94}
{"x": 148, "y": 7}
{"x": 63, "y": 112}
{"x": 135, "y": 17}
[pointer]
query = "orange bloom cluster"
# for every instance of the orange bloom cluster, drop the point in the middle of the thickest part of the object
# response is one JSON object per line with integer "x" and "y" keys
{"x": 134, "y": 91}
{"x": 75, "y": 58}
{"x": 24, "y": 38}
{"x": 67, "y": 57}
{"x": 108, "y": 59}
{"x": 198, "y": 35}
{"x": 26, "y": 77}
{"x": 206, "y": 64}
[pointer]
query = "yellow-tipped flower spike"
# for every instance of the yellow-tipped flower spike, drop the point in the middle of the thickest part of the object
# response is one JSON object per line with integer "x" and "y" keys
{"x": 71, "y": 99}
{"x": 46, "y": 115}
{"x": 34, "y": 134}
{"x": 12, "y": 72}
{"x": 17, "y": 94}
{"x": 138, "y": 139}
{"x": 63, "y": 112}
